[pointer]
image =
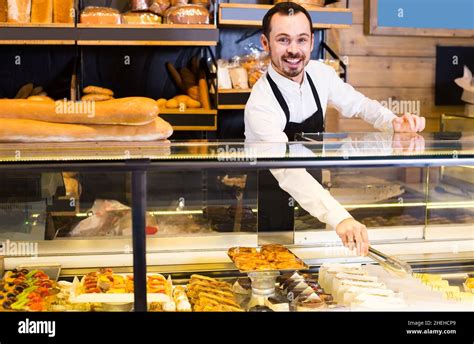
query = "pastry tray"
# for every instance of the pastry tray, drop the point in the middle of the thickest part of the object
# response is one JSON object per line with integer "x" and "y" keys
{"x": 297, "y": 259}
{"x": 77, "y": 296}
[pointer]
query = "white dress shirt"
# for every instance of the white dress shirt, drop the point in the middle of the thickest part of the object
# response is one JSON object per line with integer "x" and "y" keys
{"x": 265, "y": 121}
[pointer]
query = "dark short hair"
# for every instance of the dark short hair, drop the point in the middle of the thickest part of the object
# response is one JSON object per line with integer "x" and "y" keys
{"x": 285, "y": 8}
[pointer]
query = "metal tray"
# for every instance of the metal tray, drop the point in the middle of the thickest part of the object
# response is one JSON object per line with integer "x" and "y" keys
{"x": 299, "y": 260}
{"x": 52, "y": 270}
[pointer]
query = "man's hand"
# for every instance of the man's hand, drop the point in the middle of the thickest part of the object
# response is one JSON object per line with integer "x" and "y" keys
{"x": 408, "y": 143}
{"x": 409, "y": 123}
{"x": 354, "y": 235}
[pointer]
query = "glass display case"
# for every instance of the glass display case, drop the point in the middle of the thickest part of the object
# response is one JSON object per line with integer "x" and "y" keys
{"x": 175, "y": 208}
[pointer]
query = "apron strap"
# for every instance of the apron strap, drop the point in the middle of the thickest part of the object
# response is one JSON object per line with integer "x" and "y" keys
{"x": 319, "y": 112}
{"x": 279, "y": 97}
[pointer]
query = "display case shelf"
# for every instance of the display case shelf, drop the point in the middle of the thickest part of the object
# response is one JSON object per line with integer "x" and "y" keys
{"x": 249, "y": 15}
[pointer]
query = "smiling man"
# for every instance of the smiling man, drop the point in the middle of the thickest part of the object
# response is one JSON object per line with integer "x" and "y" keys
{"x": 292, "y": 98}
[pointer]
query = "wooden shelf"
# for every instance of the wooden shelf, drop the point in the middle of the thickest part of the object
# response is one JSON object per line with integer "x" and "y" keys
{"x": 188, "y": 112}
{"x": 191, "y": 119}
{"x": 233, "y": 90}
{"x": 37, "y": 34}
{"x": 155, "y": 34}
{"x": 232, "y": 99}
{"x": 123, "y": 34}
{"x": 249, "y": 15}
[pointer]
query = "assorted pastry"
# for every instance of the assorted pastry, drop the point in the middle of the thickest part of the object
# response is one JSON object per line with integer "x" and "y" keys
{"x": 302, "y": 293}
{"x": 24, "y": 290}
{"x": 106, "y": 281}
{"x": 352, "y": 286}
{"x": 207, "y": 294}
{"x": 450, "y": 292}
{"x": 469, "y": 285}
{"x": 268, "y": 257}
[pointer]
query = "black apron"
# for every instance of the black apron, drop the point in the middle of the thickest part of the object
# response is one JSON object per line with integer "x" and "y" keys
{"x": 276, "y": 206}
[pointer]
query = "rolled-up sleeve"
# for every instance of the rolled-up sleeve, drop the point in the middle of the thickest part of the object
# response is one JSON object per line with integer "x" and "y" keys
{"x": 261, "y": 126}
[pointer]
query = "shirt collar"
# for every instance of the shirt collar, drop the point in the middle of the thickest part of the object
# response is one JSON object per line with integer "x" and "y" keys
{"x": 282, "y": 81}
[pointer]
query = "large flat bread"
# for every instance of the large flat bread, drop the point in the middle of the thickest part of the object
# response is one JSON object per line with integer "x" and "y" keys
{"x": 123, "y": 111}
{"x": 25, "y": 130}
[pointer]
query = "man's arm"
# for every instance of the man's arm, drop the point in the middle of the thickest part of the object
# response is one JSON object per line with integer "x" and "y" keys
{"x": 350, "y": 103}
{"x": 259, "y": 120}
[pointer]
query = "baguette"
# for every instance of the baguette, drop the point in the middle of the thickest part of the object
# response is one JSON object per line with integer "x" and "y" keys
{"x": 204, "y": 92}
{"x": 124, "y": 111}
{"x": 175, "y": 76}
{"x": 25, "y": 130}
{"x": 25, "y": 91}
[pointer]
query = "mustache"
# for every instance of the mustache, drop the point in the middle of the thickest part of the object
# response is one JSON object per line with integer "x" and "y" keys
{"x": 294, "y": 56}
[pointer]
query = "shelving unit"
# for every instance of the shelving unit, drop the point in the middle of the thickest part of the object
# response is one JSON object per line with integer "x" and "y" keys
{"x": 227, "y": 15}
{"x": 249, "y": 15}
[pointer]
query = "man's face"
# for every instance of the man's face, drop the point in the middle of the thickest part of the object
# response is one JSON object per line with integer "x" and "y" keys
{"x": 290, "y": 44}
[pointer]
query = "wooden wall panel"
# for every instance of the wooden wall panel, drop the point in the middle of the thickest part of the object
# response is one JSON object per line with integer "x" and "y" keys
{"x": 374, "y": 71}
{"x": 383, "y": 67}
{"x": 425, "y": 96}
{"x": 354, "y": 42}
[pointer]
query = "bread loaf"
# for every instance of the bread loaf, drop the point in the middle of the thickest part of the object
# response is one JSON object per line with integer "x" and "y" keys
{"x": 25, "y": 130}
{"x": 141, "y": 18}
{"x": 3, "y": 11}
{"x": 101, "y": 16}
{"x": 140, "y": 5}
{"x": 187, "y": 14}
{"x": 63, "y": 11}
{"x": 42, "y": 11}
{"x": 19, "y": 11}
{"x": 97, "y": 90}
{"x": 205, "y": 3}
{"x": 96, "y": 97}
{"x": 124, "y": 111}
{"x": 159, "y": 6}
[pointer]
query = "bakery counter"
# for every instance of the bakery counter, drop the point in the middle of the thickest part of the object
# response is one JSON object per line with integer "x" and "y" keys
{"x": 335, "y": 285}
